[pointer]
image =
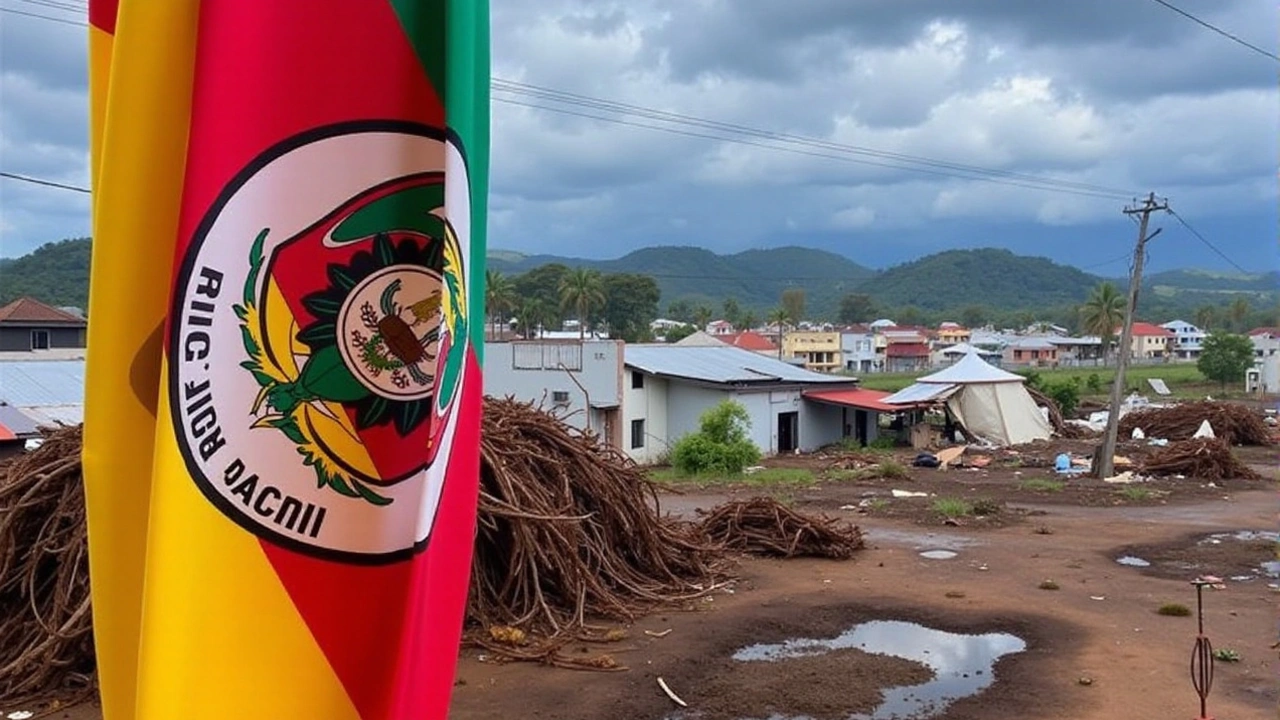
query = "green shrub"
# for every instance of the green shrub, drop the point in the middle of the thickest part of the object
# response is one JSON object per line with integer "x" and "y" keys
{"x": 1066, "y": 394}
{"x": 1094, "y": 383}
{"x": 721, "y": 444}
{"x": 882, "y": 443}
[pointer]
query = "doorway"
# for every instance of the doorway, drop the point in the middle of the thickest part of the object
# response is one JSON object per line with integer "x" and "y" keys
{"x": 788, "y": 432}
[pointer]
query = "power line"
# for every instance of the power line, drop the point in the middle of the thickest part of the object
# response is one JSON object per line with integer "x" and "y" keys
{"x": 42, "y": 17}
{"x": 46, "y": 183}
{"x": 560, "y": 96}
{"x": 1208, "y": 244}
{"x": 798, "y": 151}
{"x": 1220, "y": 31}
{"x": 56, "y": 5}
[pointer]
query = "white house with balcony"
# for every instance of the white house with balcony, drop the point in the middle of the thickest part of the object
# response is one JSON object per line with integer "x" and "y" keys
{"x": 1187, "y": 339}
{"x": 858, "y": 351}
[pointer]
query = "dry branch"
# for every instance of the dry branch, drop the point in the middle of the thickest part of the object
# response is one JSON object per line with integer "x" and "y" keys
{"x": 1205, "y": 459}
{"x": 764, "y": 526}
{"x": 1232, "y": 422}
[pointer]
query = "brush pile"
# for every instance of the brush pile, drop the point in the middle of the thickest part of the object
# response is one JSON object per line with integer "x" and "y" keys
{"x": 46, "y": 640}
{"x": 1203, "y": 459}
{"x": 569, "y": 531}
{"x": 764, "y": 526}
{"x": 1233, "y": 423}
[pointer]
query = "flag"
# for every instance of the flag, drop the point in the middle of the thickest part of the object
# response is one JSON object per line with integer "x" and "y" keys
{"x": 316, "y": 453}
{"x": 140, "y": 65}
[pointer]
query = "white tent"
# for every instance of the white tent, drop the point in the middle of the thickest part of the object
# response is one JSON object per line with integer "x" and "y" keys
{"x": 990, "y": 403}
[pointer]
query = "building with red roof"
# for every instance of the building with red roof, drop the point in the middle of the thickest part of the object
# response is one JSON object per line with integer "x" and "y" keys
{"x": 27, "y": 324}
{"x": 1150, "y": 341}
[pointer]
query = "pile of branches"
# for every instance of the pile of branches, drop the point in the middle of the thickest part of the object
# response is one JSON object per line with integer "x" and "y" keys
{"x": 570, "y": 531}
{"x": 1061, "y": 427}
{"x": 764, "y": 526}
{"x": 1233, "y": 423}
{"x": 1204, "y": 458}
{"x": 46, "y": 639}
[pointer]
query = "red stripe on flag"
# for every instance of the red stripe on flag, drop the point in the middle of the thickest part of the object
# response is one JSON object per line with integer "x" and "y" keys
{"x": 102, "y": 15}
{"x": 266, "y": 72}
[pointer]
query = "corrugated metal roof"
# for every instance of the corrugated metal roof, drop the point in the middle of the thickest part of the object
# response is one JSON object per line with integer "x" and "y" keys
{"x": 17, "y": 422}
{"x": 723, "y": 364}
{"x": 36, "y": 383}
{"x": 920, "y": 393}
{"x": 51, "y": 415}
{"x": 857, "y": 397}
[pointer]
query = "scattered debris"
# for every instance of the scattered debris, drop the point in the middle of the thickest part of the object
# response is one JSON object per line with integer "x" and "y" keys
{"x": 764, "y": 526}
{"x": 1206, "y": 459}
{"x": 1233, "y": 423}
{"x": 674, "y": 698}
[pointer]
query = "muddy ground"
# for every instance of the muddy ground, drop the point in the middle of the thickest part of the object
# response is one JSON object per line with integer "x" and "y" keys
{"x": 1041, "y": 565}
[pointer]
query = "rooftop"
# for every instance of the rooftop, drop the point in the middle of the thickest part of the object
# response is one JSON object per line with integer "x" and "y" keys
{"x": 749, "y": 341}
{"x": 40, "y": 383}
{"x": 722, "y": 365}
{"x": 1145, "y": 329}
{"x": 27, "y": 310}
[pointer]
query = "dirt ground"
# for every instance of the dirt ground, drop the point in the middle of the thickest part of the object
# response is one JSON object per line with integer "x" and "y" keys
{"x": 1041, "y": 566}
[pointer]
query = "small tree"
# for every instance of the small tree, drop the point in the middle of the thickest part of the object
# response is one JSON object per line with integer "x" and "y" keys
{"x": 721, "y": 444}
{"x": 1225, "y": 358}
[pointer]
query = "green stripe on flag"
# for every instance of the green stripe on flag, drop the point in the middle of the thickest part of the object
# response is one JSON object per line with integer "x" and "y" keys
{"x": 424, "y": 24}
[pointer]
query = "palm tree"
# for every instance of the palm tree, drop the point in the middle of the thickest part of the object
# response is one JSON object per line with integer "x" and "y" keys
{"x": 1103, "y": 313}
{"x": 779, "y": 316}
{"x": 531, "y": 314}
{"x": 583, "y": 290}
{"x": 499, "y": 298}
{"x": 1206, "y": 317}
{"x": 1239, "y": 311}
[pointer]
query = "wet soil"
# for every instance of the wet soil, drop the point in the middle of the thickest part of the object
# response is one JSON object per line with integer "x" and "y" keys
{"x": 1218, "y": 554}
{"x": 830, "y": 686}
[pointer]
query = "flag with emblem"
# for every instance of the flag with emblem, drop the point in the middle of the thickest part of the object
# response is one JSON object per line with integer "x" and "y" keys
{"x": 316, "y": 453}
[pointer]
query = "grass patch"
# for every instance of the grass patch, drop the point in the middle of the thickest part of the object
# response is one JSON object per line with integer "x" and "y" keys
{"x": 1042, "y": 485}
{"x": 771, "y": 477}
{"x": 986, "y": 507}
{"x": 1174, "y": 610}
{"x": 1226, "y": 655}
{"x": 952, "y": 507}
{"x": 1135, "y": 494}
{"x": 1049, "y": 585}
{"x": 878, "y": 504}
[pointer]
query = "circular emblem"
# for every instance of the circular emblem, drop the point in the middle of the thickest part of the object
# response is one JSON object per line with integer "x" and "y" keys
{"x": 320, "y": 326}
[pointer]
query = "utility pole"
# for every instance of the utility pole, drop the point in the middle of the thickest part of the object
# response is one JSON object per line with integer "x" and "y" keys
{"x": 1104, "y": 459}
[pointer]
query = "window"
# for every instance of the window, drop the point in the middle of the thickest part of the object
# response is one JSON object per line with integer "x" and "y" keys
{"x": 637, "y": 434}
{"x": 560, "y": 396}
{"x": 39, "y": 339}
{"x": 637, "y": 380}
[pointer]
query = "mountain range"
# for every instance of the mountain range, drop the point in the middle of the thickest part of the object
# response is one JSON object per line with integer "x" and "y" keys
{"x": 941, "y": 283}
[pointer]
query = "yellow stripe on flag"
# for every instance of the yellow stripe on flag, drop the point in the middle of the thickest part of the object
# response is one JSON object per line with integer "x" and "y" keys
{"x": 221, "y": 638}
{"x": 140, "y": 107}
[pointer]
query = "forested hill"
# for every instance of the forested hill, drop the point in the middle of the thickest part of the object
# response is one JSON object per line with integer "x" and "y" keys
{"x": 943, "y": 283}
{"x": 755, "y": 278}
{"x": 996, "y": 279}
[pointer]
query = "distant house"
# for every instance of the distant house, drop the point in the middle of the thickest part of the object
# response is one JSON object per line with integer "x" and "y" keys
{"x": 1079, "y": 350}
{"x": 1187, "y": 339}
{"x": 720, "y": 327}
{"x": 750, "y": 340}
{"x": 905, "y": 357}
{"x": 950, "y": 333}
{"x": 30, "y": 325}
{"x": 858, "y": 351}
{"x": 580, "y": 382}
{"x": 819, "y": 349}
{"x": 1150, "y": 342}
{"x": 666, "y": 389}
{"x": 1031, "y": 352}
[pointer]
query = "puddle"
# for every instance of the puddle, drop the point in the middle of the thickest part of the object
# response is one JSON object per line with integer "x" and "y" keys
{"x": 1271, "y": 569}
{"x": 1131, "y": 561}
{"x": 938, "y": 554}
{"x": 963, "y": 665}
{"x": 1242, "y": 536}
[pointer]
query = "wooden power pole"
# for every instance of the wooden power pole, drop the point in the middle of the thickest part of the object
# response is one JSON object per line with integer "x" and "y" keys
{"x": 1104, "y": 460}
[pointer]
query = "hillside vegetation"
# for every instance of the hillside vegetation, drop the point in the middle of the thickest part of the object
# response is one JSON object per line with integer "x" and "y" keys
{"x": 961, "y": 285}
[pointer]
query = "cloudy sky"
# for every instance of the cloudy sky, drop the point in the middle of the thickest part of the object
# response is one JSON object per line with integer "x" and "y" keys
{"x": 857, "y": 126}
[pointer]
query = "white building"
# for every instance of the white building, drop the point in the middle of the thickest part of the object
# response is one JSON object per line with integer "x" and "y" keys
{"x": 668, "y": 388}
{"x": 1264, "y": 376}
{"x": 580, "y": 382}
{"x": 1187, "y": 339}
{"x": 858, "y": 350}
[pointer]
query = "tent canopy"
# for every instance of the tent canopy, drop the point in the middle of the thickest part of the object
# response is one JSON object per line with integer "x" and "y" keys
{"x": 990, "y": 403}
{"x": 971, "y": 369}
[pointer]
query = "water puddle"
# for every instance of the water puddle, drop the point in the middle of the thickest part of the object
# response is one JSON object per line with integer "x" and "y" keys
{"x": 1242, "y": 536}
{"x": 1131, "y": 561}
{"x": 919, "y": 540}
{"x": 963, "y": 665}
{"x": 938, "y": 554}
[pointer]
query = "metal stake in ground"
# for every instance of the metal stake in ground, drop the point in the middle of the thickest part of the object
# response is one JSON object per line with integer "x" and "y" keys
{"x": 1104, "y": 459}
{"x": 1202, "y": 654}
